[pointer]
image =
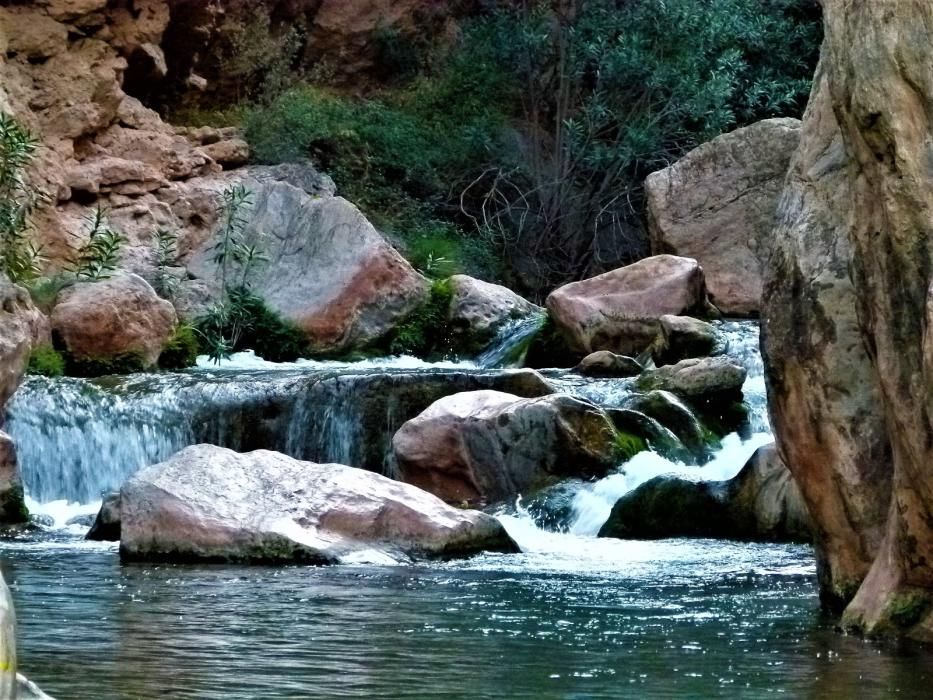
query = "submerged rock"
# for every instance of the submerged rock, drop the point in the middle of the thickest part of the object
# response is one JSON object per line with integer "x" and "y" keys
{"x": 717, "y": 204}
{"x": 479, "y": 310}
{"x": 106, "y": 526}
{"x": 620, "y": 311}
{"x": 208, "y": 503}
{"x": 607, "y": 364}
{"x": 761, "y": 503}
{"x": 489, "y": 446}
{"x": 116, "y": 319}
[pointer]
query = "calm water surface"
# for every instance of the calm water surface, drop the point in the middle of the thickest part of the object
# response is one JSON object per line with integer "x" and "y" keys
{"x": 585, "y": 619}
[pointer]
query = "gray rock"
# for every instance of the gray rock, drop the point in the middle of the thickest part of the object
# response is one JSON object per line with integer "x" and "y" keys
{"x": 684, "y": 338}
{"x": 106, "y": 526}
{"x": 607, "y": 364}
{"x": 479, "y": 310}
{"x": 696, "y": 378}
{"x": 717, "y": 205}
{"x": 208, "y": 503}
{"x": 762, "y": 503}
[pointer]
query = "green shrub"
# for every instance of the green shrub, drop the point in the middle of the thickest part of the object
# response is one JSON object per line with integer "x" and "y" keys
{"x": 45, "y": 290}
{"x": 425, "y": 332}
{"x": 253, "y": 326}
{"x": 181, "y": 350}
{"x": 46, "y": 361}
{"x": 20, "y": 257}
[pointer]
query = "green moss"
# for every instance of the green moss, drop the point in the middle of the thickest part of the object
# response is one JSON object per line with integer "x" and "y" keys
{"x": 628, "y": 445}
{"x": 124, "y": 363}
{"x": 907, "y": 609}
{"x": 181, "y": 350}
{"x": 46, "y": 361}
{"x": 425, "y": 332}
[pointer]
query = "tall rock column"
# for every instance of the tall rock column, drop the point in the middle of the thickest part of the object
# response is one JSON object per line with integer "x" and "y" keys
{"x": 824, "y": 402}
{"x": 879, "y": 65}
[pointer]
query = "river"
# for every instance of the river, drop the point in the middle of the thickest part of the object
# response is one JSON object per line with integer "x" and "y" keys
{"x": 572, "y": 616}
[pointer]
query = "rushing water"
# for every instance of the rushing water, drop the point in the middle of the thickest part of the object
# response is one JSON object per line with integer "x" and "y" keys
{"x": 573, "y": 616}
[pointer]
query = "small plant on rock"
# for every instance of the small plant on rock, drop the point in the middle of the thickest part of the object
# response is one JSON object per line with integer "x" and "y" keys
{"x": 20, "y": 257}
{"x": 166, "y": 258}
{"x": 99, "y": 256}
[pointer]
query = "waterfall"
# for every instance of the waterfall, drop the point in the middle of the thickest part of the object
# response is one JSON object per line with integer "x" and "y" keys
{"x": 78, "y": 438}
{"x": 509, "y": 347}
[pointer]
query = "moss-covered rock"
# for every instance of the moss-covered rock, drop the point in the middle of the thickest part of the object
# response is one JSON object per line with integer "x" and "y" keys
{"x": 181, "y": 350}
{"x": 46, "y": 361}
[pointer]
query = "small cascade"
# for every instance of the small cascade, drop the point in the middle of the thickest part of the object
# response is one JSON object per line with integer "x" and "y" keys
{"x": 79, "y": 438}
{"x": 509, "y": 347}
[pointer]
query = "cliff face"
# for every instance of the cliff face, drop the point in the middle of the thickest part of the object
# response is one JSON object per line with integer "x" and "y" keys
{"x": 849, "y": 324}
{"x": 83, "y": 74}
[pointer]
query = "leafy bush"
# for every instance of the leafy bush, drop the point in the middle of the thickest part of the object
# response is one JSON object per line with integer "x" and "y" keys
{"x": 531, "y": 138}
{"x": 181, "y": 350}
{"x": 20, "y": 257}
{"x": 244, "y": 322}
{"x": 98, "y": 257}
{"x": 125, "y": 363}
{"x": 46, "y": 361}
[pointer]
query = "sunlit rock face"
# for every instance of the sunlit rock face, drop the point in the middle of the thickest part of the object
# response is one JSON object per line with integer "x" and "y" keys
{"x": 208, "y": 503}
{"x": 853, "y": 421}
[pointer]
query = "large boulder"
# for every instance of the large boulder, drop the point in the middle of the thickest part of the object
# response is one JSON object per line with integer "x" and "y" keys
{"x": 208, "y": 503}
{"x": 479, "y": 310}
{"x": 761, "y": 503}
{"x": 12, "y": 506}
{"x": 823, "y": 394}
{"x": 119, "y": 318}
{"x": 717, "y": 205}
{"x": 22, "y": 327}
{"x": 487, "y": 446}
{"x": 621, "y": 310}
{"x": 328, "y": 269}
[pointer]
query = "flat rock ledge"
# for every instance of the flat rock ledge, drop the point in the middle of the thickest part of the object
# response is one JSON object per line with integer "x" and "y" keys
{"x": 211, "y": 504}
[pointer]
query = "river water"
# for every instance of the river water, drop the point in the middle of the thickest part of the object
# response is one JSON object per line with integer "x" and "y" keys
{"x": 573, "y": 616}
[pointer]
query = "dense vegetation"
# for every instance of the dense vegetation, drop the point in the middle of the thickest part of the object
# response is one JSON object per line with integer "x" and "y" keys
{"x": 519, "y": 152}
